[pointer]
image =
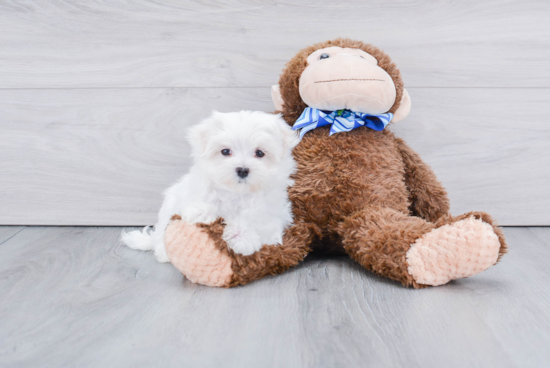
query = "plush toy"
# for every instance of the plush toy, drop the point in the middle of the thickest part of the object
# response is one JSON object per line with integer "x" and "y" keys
{"x": 358, "y": 188}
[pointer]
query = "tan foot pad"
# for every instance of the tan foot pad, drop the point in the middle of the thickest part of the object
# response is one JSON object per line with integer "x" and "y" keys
{"x": 453, "y": 251}
{"x": 195, "y": 255}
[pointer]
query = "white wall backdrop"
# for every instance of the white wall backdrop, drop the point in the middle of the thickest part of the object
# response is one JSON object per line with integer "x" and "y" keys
{"x": 96, "y": 96}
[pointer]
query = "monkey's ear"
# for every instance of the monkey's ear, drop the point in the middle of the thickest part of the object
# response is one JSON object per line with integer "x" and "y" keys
{"x": 404, "y": 108}
{"x": 276, "y": 97}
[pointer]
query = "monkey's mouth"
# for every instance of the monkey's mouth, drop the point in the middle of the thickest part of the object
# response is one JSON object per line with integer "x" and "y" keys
{"x": 352, "y": 79}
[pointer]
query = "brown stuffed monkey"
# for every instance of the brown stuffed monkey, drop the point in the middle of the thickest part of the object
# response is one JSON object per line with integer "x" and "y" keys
{"x": 358, "y": 188}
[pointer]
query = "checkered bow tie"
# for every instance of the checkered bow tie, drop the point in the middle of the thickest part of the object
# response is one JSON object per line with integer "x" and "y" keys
{"x": 340, "y": 120}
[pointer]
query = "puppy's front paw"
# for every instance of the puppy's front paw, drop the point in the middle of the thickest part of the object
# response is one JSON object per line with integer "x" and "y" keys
{"x": 200, "y": 214}
{"x": 205, "y": 218}
{"x": 241, "y": 240}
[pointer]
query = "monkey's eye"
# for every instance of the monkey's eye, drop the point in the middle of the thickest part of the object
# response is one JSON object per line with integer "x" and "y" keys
{"x": 226, "y": 152}
{"x": 260, "y": 153}
{"x": 324, "y": 56}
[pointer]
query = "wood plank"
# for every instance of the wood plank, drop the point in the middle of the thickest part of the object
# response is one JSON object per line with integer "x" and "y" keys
{"x": 489, "y": 147}
{"x": 102, "y": 157}
{"x": 7, "y": 232}
{"x": 122, "y": 43}
{"x": 99, "y": 157}
{"x": 77, "y": 297}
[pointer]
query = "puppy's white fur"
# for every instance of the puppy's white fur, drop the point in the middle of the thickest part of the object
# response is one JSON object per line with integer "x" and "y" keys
{"x": 256, "y": 208}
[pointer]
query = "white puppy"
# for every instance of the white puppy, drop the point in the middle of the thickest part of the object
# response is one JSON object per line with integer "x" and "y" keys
{"x": 241, "y": 173}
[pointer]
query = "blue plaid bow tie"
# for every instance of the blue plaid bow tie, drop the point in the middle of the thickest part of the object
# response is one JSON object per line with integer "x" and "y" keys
{"x": 340, "y": 120}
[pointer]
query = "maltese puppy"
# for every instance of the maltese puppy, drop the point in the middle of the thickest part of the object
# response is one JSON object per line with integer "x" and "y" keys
{"x": 241, "y": 173}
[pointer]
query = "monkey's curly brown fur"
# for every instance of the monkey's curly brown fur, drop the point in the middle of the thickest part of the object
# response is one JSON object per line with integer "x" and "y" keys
{"x": 362, "y": 191}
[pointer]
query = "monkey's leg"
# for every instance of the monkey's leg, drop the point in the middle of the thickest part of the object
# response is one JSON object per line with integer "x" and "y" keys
{"x": 201, "y": 255}
{"x": 419, "y": 253}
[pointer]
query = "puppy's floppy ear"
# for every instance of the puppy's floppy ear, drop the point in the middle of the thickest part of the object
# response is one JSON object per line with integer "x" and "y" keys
{"x": 403, "y": 109}
{"x": 199, "y": 135}
{"x": 290, "y": 137}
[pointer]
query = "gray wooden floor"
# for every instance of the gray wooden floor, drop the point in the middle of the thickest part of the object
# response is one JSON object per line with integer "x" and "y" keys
{"x": 74, "y": 296}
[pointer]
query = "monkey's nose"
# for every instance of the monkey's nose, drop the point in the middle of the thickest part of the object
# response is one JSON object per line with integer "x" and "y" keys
{"x": 242, "y": 172}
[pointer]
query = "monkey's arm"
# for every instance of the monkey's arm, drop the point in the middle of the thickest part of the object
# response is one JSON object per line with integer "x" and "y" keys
{"x": 199, "y": 252}
{"x": 427, "y": 196}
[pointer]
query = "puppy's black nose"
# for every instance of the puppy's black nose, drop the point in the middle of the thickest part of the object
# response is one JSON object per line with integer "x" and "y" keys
{"x": 242, "y": 172}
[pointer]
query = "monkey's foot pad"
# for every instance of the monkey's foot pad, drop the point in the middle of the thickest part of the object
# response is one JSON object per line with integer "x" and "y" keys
{"x": 461, "y": 249}
{"x": 195, "y": 255}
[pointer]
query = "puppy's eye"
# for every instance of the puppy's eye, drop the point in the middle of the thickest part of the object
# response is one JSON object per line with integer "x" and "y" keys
{"x": 260, "y": 153}
{"x": 324, "y": 56}
{"x": 226, "y": 152}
